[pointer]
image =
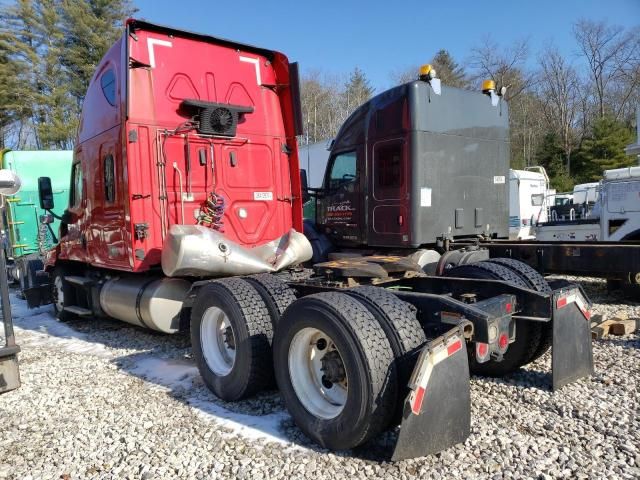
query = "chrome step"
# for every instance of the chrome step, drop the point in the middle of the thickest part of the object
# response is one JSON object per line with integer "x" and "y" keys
{"x": 80, "y": 311}
{"x": 82, "y": 281}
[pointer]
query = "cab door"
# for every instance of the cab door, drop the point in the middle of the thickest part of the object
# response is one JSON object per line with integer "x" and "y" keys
{"x": 340, "y": 207}
{"x": 73, "y": 239}
{"x": 108, "y": 230}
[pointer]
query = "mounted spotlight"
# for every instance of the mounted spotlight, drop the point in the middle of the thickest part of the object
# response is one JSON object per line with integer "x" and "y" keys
{"x": 10, "y": 183}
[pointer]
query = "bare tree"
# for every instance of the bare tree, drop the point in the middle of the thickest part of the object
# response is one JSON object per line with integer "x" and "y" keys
{"x": 404, "y": 75}
{"x": 505, "y": 66}
{"x": 561, "y": 98}
{"x": 321, "y": 109}
{"x": 613, "y": 58}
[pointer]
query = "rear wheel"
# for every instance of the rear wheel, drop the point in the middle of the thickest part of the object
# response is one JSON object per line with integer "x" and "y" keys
{"x": 402, "y": 328}
{"x": 536, "y": 282}
{"x": 231, "y": 337}
{"x": 333, "y": 366}
{"x": 277, "y": 295}
{"x": 528, "y": 334}
{"x": 62, "y": 294}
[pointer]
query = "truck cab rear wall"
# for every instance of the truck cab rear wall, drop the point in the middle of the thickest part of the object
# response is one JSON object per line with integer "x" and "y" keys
{"x": 144, "y": 165}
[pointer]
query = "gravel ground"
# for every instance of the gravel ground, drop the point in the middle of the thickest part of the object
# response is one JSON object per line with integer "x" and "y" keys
{"x": 105, "y": 400}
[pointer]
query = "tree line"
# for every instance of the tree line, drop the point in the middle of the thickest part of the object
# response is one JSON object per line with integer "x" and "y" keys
{"x": 49, "y": 50}
{"x": 571, "y": 114}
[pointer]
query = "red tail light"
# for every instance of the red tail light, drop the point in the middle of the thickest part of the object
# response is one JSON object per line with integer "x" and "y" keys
{"x": 503, "y": 341}
{"x": 482, "y": 352}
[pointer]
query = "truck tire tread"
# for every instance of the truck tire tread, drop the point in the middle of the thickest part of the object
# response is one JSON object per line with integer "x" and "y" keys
{"x": 397, "y": 318}
{"x": 538, "y": 283}
{"x": 372, "y": 347}
{"x": 528, "y": 334}
{"x": 276, "y": 294}
{"x": 255, "y": 315}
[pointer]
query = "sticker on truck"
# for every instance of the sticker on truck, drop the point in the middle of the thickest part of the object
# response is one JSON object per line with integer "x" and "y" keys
{"x": 499, "y": 179}
{"x": 261, "y": 196}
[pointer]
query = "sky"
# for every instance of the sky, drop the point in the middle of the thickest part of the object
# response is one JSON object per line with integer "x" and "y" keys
{"x": 379, "y": 36}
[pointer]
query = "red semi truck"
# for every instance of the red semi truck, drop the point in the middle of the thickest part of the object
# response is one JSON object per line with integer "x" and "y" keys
{"x": 185, "y": 213}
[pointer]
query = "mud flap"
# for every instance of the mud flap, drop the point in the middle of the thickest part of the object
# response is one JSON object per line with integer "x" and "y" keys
{"x": 9, "y": 375}
{"x": 437, "y": 411}
{"x": 572, "y": 354}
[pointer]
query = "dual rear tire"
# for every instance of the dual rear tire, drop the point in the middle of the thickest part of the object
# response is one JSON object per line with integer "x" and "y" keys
{"x": 340, "y": 359}
{"x": 533, "y": 339}
{"x": 232, "y": 324}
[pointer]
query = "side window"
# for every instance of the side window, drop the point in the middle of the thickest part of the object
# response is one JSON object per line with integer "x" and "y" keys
{"x": 388, "y": 170}
{"x": 76, "y": 188}
{"x": 108, "y": 84}
{"x": 537, "y": 199}
{"x": 343, "y": 170}
{"x": 109, "y": 179}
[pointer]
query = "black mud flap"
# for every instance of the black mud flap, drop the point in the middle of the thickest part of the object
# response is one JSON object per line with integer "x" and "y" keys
{"x": 437, "y": 411}
{"x": 38, "y": 296}
{"x": 9, "y": 374}
{"x": 572, "y": 354}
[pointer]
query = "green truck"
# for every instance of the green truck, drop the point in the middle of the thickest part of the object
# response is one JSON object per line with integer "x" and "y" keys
{"x": 26, "y": 237}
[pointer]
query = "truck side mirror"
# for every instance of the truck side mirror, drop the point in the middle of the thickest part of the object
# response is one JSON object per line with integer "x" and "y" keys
{"x": 45, "y": 193}
{"x": 304, "y": 186}
{"x": 67, "y": 217}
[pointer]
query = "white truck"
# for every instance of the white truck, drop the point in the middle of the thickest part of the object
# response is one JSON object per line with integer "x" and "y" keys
{"x": 528, "y": 189}
{"x": 610, "y": 212}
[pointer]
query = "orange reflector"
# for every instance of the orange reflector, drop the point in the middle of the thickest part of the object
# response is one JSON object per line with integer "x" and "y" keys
{"x": 416, "y": 406}
{"x": 454, "y": 347}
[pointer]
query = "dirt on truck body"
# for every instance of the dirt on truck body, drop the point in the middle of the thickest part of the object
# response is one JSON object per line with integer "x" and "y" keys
{"x": 186, "y": 214}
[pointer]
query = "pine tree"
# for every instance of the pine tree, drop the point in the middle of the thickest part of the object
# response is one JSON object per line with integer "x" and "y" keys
{"x": 550, "y": 155}
{"x": 604, "y": 149}
{"x": 18, "y": 61}
{"x": 449, "y": 71}
{"x": 89, "y": 28}
{"x": 56, "y": 124}
{"x": 356, "y": 91}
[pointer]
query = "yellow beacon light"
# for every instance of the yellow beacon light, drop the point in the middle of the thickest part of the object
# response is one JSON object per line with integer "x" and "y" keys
{"x": 488, "y": 85}
{"x": 427, "y": 72}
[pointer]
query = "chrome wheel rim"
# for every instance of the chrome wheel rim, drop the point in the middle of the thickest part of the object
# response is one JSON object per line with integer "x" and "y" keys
{"x": 218, "y": 341}
{"x": 317, "y": 373}
{"x": 58, "y": 293}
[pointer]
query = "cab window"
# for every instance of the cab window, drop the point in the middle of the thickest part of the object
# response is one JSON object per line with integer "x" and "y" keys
{"x": 109, "y": 179}
{"x": 108, "y": 84}
{"x": 537, "y": 199}
{"x": 343, "y": 170}
{"x": 388, "y": 170}
{"x": 76, "y": 187}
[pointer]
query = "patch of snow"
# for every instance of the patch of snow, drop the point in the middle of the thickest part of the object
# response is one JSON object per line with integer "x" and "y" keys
{"x": 181, "y": 373}
{"x": 46, "y": 331}
{"x": 168, "y": 373}
{"x": 38, "y": 327}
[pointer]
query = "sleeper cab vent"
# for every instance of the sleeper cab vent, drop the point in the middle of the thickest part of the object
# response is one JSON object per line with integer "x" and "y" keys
{"x": 215, "y": 118}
